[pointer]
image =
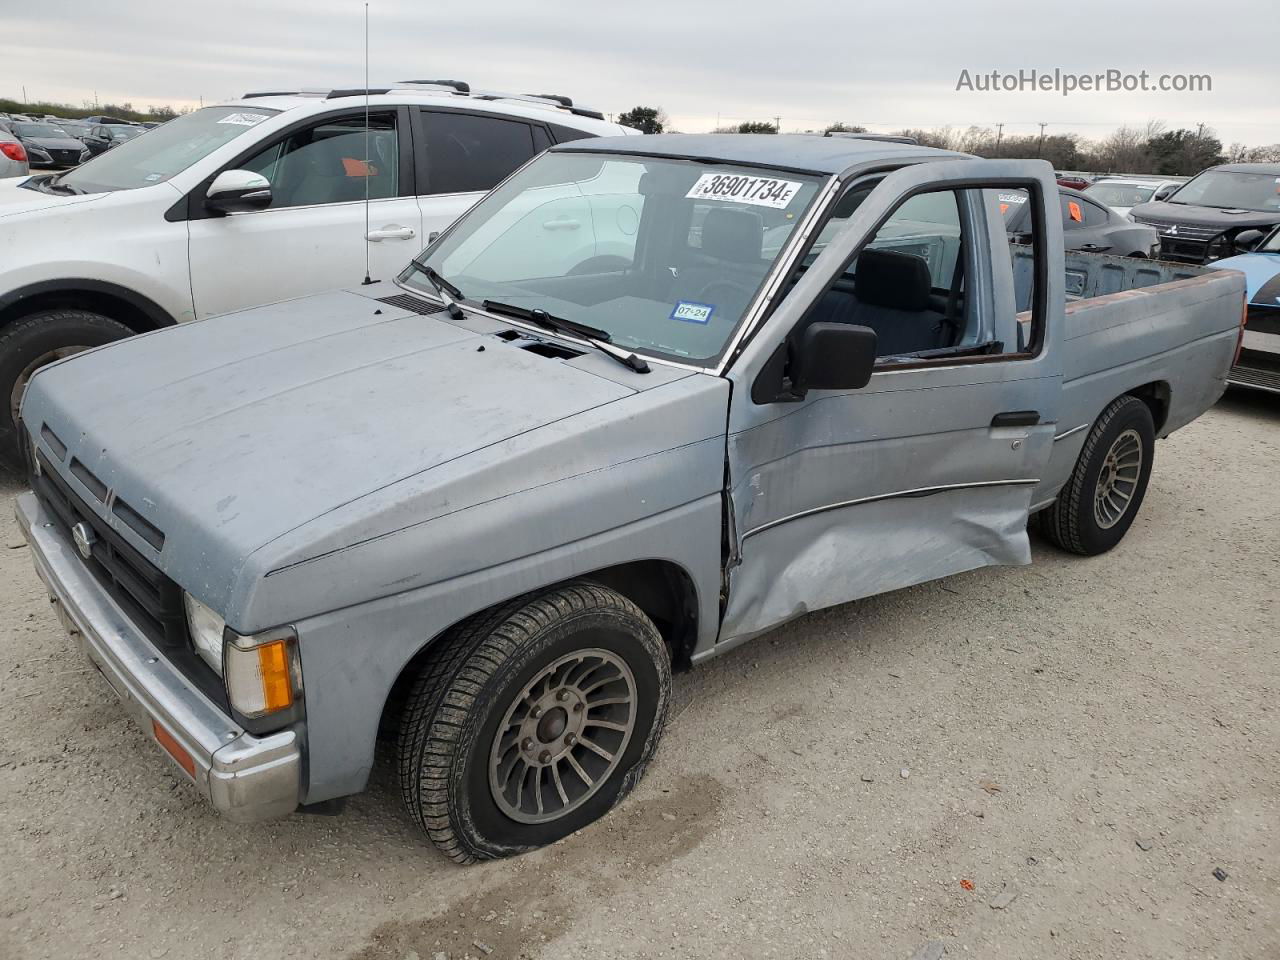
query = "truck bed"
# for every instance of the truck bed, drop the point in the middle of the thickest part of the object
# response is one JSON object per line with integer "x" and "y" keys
{"x": 1167, "y": 329}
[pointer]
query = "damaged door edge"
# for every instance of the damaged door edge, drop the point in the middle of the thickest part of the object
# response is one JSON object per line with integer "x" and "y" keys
{"x": 916, "y": 492}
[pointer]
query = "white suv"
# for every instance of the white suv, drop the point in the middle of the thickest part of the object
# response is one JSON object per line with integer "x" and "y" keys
{"x": 248, "y": 202}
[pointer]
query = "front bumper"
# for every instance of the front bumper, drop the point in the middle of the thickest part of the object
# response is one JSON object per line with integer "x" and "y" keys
{"x": 245, "y": 777}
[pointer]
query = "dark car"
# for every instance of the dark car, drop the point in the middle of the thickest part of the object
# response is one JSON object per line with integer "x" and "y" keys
{"x": 102, "y": 137}
{"x": 95, "y": 121}
{"x": 1087, "y": 225}
{"x": 1218, "y": 213}
{"x": 49, "y": 147}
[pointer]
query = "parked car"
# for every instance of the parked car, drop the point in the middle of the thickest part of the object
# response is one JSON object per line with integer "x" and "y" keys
{"x": 1121, "y": 194}
{"x": 74, "y": 128}
{"x": 103, "y": 137}
{"x": 1087, "y": 225}
{"x": 99, "y": 120}
{"x": 255, "y": 200}
{"x": 1074, "y": 181}
{"x": 1258, "y": 365}
{"x": 13, "y": 157}
{"x": 1218, "y": 213}
{"x": 483, "y": 511}
{"x": 48, "y": 147}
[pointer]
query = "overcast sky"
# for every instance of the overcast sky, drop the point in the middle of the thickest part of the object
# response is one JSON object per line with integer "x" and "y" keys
{"x": 885, "y": 65}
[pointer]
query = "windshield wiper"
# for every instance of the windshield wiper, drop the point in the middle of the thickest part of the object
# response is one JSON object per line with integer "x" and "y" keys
{"x": 549, "y": 321}
{"x": 449, "y": 293}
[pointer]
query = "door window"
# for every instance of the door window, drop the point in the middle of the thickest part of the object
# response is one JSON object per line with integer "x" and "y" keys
{"x": 468, "y": 153}
{"x": 908, "y": 282}
{"x": 327, "y": 163}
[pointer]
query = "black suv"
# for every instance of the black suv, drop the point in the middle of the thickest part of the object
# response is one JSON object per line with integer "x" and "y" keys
{"x": 1220, "y": 212}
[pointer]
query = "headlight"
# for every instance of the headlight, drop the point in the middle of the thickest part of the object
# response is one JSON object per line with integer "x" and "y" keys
{"x": 84, "y": 154}
{"x": 38, "y": 153}
{"x": 206, "y": 632}
{"x": 263, "y": 674}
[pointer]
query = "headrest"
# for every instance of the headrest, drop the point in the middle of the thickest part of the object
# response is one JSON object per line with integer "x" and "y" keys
{"x": 734, "y": 235}
{"x": 899, "y": 281}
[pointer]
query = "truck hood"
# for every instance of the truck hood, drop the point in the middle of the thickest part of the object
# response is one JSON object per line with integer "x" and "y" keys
{"x": 228, "y": 433}
{"x": 1163, "y": 213}
{"x": 16, "y": 199}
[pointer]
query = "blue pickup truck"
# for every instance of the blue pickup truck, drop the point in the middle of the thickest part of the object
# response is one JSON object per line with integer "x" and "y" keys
{"x": 649, "y": 399}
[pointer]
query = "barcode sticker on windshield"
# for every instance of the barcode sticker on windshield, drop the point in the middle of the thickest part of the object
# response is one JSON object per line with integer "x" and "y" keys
{"x": 742, "y": 188}
{"x": 244, "y": 119}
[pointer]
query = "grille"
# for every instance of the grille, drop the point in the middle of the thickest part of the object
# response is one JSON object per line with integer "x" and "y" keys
{"x": 1186, "y": 231}
{"x": 152, "y": 601}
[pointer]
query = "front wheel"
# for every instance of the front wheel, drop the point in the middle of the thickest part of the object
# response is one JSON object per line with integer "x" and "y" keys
{"x": 28, "y": 344}
{"x": 1101, "y": 498}
{"x": 533, "y": 720}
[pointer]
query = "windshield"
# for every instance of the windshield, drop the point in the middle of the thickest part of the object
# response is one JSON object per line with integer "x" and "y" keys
{"x": 663, "y": 255}
{"x": 1229, "y": 190}
{"x": 1121, "y": 194}
{"x": 38, "y": 130}
{"x": 164, "y": 151}
{"x": 126, "y": 133}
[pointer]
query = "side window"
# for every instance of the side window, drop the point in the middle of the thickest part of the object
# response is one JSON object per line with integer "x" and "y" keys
{"x": 908, "y": 282}
{"x": 467, "y": 153}
{"x": 326, "y": 163}
{"x": 1094, "y": 215}
{"x": 1072, "y": 212}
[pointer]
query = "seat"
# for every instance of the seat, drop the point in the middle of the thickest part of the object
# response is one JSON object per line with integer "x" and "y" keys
{"x": 892, "y": 294}
{"x": 725, "y": 271}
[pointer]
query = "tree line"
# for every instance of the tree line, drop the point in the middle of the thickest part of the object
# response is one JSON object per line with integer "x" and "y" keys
{"x": 1151, "y": 149}
{"x": 122, "y": 111}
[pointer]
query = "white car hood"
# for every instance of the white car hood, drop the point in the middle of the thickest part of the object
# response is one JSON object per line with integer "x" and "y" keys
{"x": 16, "y": 199}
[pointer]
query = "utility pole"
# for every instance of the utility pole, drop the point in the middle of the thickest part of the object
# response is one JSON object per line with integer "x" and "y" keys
{"x": 1200, "y": 131}
{"x": 1040, "y": 145}
{"x": 777, "y": 124}
{"x": 999, "y": 137}
{"x": 24, "y": 94}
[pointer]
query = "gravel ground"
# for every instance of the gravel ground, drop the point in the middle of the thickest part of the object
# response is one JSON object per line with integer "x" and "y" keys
{"x": 1037, "y": 762}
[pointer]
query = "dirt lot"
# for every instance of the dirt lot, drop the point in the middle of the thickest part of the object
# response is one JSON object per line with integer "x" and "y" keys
{"x": 1091, "y": 737}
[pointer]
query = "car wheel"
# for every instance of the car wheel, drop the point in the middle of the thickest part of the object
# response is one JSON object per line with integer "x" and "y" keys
{"x": 532, "y": 720}
{"x": 28, "y": 344}
{"x": 1105, "y": 490}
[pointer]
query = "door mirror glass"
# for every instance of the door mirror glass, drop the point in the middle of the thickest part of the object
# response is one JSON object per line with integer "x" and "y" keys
{"x": 238, "y": 191}
{"x": 834, "y": 356}
{"x": 1165, "y": 192}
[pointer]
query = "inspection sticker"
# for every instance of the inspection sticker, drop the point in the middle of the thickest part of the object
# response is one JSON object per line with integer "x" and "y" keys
{"x": 1013, "y": 198}
{"x": 742, "y": 188}
{"x": 691, "y": 312}
{"x": 244, "y": 119}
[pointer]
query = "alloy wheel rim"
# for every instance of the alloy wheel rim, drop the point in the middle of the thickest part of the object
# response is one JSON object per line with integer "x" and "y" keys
{"x": 562, "y": 736}
{"x": 1118, "y": 479}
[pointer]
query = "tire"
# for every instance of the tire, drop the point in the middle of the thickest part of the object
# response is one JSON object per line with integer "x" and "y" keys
{"x": 32, "y": 341}
{"x": 468, "y": 726}
{"x": 1099, "y": 502}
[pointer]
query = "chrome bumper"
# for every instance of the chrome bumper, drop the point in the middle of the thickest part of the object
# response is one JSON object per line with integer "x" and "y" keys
{"x": 245, "y": 777}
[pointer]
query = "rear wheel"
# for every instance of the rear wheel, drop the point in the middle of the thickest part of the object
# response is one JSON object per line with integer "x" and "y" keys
{"x": 28, "y": 344}
{"x": 532, "y": 720}
{"x": 1102, "y": 497}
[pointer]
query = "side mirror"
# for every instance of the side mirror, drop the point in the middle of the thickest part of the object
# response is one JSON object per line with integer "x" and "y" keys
{"x": 1164, "y": 193}
{"x": 238, "y": 191}
{"x": 1246, "y": 240}
{"x": 833, "y": 356}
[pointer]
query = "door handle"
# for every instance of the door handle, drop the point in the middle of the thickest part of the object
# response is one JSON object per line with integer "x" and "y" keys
{"x": 561, "y": 225}
{"x": 1016, "y": 418}
{"x": 391, "y": 232}
{"x": 1093, "y": 247}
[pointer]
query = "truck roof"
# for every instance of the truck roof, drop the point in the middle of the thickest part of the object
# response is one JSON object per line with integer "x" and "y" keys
{"x": 803, "y": 153}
